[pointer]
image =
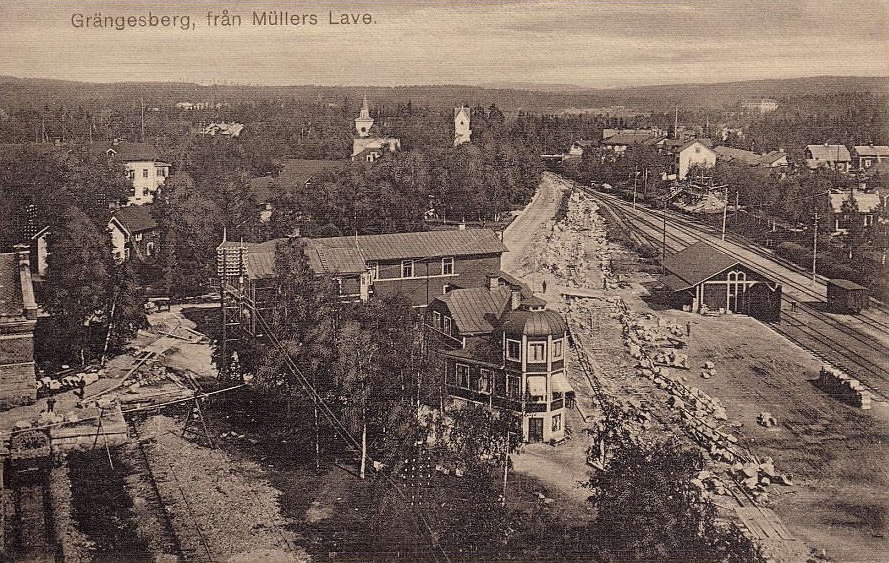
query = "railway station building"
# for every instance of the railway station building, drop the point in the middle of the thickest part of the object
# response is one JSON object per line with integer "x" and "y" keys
{"x": 702, "y": 278}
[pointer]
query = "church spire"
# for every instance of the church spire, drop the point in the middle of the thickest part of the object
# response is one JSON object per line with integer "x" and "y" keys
{"x": 364, "y": 121}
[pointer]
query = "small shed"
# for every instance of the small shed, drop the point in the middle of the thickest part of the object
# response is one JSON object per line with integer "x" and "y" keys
{"x": 844, "y": 296}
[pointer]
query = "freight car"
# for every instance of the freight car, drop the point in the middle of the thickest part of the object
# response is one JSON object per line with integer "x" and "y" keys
{"x": 844, "y": 296}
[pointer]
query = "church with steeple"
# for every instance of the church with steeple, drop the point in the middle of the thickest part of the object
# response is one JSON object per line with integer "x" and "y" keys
{"x": 462, "y": 132}
{"x": 366, "y": 148}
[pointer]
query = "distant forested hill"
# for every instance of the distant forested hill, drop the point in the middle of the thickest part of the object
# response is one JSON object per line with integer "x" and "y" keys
{"x": 34, "y": 93}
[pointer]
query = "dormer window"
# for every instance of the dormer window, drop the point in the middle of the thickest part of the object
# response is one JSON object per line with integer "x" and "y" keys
{"x": 447, "y": 266}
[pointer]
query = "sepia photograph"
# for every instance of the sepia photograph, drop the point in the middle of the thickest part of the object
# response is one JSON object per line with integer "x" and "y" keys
{"x": 444, "y": 281}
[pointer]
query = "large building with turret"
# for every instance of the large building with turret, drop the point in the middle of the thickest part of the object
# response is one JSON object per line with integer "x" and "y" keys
{"x": 498, "y": 346}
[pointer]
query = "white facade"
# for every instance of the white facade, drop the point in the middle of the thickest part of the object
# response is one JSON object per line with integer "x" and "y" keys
{"x": 364, "y": 121}
{"x": 693, "y": 153}
{"x": 146, "y": 176}
{"x": 462, "y": 131}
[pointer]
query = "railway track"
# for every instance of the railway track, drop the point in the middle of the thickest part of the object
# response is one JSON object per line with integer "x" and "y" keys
{"x": 34, "y": 533}
{"x": 156, "y": 501}
{"x": 858, "y": 353}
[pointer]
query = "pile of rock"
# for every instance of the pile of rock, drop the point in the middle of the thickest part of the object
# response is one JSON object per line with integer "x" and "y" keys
{"x": 766, "y": 419}
{"x": 757, "y": 477}
{"x": 846, "y": 388}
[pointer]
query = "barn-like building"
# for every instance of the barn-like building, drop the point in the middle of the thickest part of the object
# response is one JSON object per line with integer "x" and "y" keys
{"x": 707, "y": 279}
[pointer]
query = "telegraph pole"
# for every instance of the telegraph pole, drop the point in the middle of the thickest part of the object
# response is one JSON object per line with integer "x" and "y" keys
{"x": 635, "y": 178}
{"x": 724, "y": 212}
{"x": 815, "y": 250}
{"x": 664, "y": 236}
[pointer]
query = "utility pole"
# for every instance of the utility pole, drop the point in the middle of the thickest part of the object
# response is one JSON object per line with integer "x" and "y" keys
{"x": 142, "y": 108}
{"x": 635, "y": 177}
{"x": 815, "y": 250}
{"x": 664, "y": 235}
{"x": 724, "y": 212}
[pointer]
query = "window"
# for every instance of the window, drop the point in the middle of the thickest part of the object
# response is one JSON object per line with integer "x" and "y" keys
{"x": 537, "y": 351}
{"x": 145, "y": 173}
{"x": 557, "y": 349}
{"x": 407, "y": 268}
{"x": 513, "y": 387}
{"x": 446, "y": 326}
{"x": 557, "y": 423}
{"x": 485, "y": 381}
{"x": 374, "y": 268}
{"x": 463, "y": 376}
{"x": 447, "y": 266}
{"x": 162, "y": 172}
{"x": 145, "y": 192}
{"x": 126, "y": 253}
{"x": 513, "y": 350}
{"x": 436, "y": 319}
{"x": 149, "y": 249}
{"x": 138, "y": 237}
{"x": 131, "y": 174}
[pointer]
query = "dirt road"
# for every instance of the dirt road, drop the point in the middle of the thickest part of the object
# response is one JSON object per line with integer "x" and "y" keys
{"x": 529, "y": 228}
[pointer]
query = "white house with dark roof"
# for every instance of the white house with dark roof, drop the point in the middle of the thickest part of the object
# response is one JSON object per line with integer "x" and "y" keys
{"x": 143, "y": 167}
{"x": 692, "y": 153}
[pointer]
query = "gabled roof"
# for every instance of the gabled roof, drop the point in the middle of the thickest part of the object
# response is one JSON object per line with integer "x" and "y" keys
{"x": 134, "y": 219}
{"x": 731, "y": 154}
{"x": 129, "y": 152}
{"x": 464, "y": 109}
{"x": 689, "y": 143}
{"x": 866, "y": 202}
{"x": 633, "y": 138}
{"x": 475, "y": 310}
{"x": 694, "y": 264}
{"x": 871, "y": 150}
{"x": 350, "y": 253}
{"x": 374, "y": 143}
{"x": 294, "y": 175}
{"x": 830, "y": 153}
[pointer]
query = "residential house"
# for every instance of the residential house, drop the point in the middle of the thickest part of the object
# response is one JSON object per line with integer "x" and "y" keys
{"x": 865, "y": 156}
{"x": 39, "y": 252}
{"x": 691, "y": 153}
{"x": 18, "y": 315}
{"x": 836, "y": 157}
{"x": 617, "y": 140}
{"x": 295, "y": 175}
{"x": 134, "y": 233}
{"x": 143, "y": 167}
{"x": 498, "y": 346}
{"x": 763, "y": 105}
{"x": 703, "y": 278}
{"x": 579, "y": 147}
{"x": 862, "y": 207}
{"x": 771, "y": 159}
{"x": 223, "y": 129}
{"x": 418, "y": 265}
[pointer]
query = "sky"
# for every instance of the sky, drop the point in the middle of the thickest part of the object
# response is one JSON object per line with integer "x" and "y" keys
{"x": 589, "y": 43}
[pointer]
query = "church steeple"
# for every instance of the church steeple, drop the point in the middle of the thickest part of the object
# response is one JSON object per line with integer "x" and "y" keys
{"x": 364, "y": 121}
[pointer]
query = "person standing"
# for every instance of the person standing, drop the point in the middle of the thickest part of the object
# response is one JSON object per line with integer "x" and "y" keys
{"x": 688, "y": 328}
{"x": 544, "y": 286}
{"x": 50, "y": 403}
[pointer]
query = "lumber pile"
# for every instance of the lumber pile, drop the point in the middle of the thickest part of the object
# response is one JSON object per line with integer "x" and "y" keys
{"x": 844, "y": 387}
